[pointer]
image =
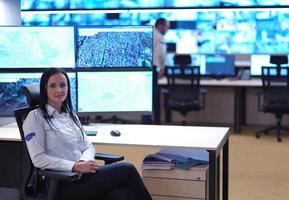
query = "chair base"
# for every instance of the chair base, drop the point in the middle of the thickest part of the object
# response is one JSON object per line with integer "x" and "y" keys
{"x": 278, "y": 132}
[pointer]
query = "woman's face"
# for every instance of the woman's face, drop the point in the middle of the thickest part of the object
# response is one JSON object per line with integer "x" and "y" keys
{"x": 57, "y": 89}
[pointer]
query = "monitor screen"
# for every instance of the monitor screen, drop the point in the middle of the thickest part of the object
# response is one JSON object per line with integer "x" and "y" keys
{"x": 114, "y": 92}
{"x": 37, "y": 47}
{"x": 11, "y": 96}
{"x": 215, "y": 65}
{"x": 258, "y": 61}
{"x": 197, "y": 31}
{"x": 114, "y": 46}
{"x": 102, "y": 4}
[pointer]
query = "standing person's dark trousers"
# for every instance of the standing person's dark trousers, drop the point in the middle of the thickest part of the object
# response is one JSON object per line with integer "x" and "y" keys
{"x": 110, "y": 182}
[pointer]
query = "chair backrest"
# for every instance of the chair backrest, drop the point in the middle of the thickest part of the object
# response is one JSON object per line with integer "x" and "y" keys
{"x": 275, "y": 83}
{"x": 32, "y": 94}
{"x": 183, "y": 82}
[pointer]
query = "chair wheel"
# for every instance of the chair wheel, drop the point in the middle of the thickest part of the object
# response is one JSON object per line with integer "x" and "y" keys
{"x": 279, "y": 139}
{"x": 257, "y": 136}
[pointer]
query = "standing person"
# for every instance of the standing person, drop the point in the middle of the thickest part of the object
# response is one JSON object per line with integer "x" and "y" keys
{"x": 160, "y": 48}
{"x": 56, "y": 140}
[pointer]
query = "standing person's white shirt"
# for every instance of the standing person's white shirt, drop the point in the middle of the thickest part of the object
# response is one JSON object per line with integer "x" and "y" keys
{"x": 159, "y": 51}
{"x": 160, "y": 48}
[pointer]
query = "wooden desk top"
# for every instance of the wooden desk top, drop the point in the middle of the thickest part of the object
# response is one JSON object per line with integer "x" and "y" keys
{"x": 10, "y": 134}
{"x": 207, "y": 138}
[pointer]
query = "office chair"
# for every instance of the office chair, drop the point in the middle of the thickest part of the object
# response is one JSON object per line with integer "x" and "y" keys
{"x": 184, "y": 97}
{"x": 33, "y": 184}
{"x": 274, "y": 97}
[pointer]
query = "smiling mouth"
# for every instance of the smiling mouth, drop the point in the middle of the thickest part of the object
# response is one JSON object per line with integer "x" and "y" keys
{"x": 61, "y": 96}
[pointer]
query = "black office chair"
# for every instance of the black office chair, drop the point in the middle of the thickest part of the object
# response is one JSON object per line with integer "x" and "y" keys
{"x": 33, "y": 185}
{"x": 184, "y": 97}
{"x": 274, "y": 97}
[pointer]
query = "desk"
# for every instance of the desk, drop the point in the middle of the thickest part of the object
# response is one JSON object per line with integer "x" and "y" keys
{"x": 239, "y": 87}
{"x": 11, "y": 156}
{"x": 213, "y": 139}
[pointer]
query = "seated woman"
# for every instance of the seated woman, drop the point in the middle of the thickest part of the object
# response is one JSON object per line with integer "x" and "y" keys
{"x": 56, "y": 140}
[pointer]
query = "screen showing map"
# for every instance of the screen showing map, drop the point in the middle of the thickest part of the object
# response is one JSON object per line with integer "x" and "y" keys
{"x": 114, "y": 91}
{"x": 115, "y": 46}
{"x": 37, "y": 47}
{"x": 11, "y": 96}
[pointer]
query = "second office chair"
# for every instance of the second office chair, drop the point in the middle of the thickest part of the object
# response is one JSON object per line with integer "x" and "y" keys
{"x": 184, "y": 93}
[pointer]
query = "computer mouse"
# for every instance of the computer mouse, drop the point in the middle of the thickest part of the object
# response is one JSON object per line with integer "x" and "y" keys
{"x": 115, "y": 133}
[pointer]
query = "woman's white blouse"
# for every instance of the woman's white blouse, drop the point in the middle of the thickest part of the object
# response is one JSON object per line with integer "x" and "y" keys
{"x": 57, "y": 147}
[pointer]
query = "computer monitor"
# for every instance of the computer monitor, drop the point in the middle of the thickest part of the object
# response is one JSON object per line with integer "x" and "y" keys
{"x": 217, "y": 66}
{"x": 258, "y": 61}
{"x": 114, "y": 46}
{"x": 37, "y": 47}
{"x": 112, "y": 92}
{"x": 11, "y": 96}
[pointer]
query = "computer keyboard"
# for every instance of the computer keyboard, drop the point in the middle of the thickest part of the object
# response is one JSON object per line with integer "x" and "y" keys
{"x": 91, "y": 132}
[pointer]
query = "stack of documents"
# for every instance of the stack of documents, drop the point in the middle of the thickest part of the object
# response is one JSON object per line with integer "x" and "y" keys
{"x": 156, "y": 161}
{"x": 169, "y": 158}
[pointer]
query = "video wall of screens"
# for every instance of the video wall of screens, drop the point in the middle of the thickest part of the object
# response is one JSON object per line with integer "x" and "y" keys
{"x": 197, "y": 31}
{"x": 96, "y": 4}
{"x": 259, "y": 61}
{"x": 114, "y": 92}
{"x": 11, "y": 96}
{"x": 114, "y": 46}
{"x": 37, "y": 47}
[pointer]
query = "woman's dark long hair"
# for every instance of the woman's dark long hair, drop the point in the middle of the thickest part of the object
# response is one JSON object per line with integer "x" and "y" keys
{"x": 66, "y": 105}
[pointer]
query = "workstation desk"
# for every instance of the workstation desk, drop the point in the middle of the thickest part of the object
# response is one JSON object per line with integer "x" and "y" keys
{"x": 215, "y": 140}
{"x": 238, "y": 86}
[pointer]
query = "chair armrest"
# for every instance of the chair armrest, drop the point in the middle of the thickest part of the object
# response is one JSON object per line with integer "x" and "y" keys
{"x": 60, "y": 175}
{"x": 108, "y": 158}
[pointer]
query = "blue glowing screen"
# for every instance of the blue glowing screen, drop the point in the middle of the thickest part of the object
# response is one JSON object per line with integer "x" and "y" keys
{"x": 11, "y": 96}
{"x": 114, "y": 46}
{"x": 114, "y": 91}
{"x": 223, "y": 31}
{"x": 37, "y": 47}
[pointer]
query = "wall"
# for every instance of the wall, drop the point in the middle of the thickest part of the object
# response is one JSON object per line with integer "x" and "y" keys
{"x": 10, "y": 12}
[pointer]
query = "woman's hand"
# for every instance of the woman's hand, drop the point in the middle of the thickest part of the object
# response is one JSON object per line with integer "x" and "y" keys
{"x": 85, "y": 167}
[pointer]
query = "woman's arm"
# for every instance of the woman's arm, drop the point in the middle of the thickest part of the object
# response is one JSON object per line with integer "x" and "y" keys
{"x": 88, "y": 150}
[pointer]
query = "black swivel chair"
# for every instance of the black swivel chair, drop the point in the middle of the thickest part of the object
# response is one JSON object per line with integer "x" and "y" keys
{"x": 274, "y": 97}
{"x": 33, "y": 184}
{"x": 184, "y": 97}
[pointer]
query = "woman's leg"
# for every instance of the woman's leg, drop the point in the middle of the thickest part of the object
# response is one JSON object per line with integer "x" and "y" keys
{"x": 105, "y": 180}
{"x": 121, "y": 193}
